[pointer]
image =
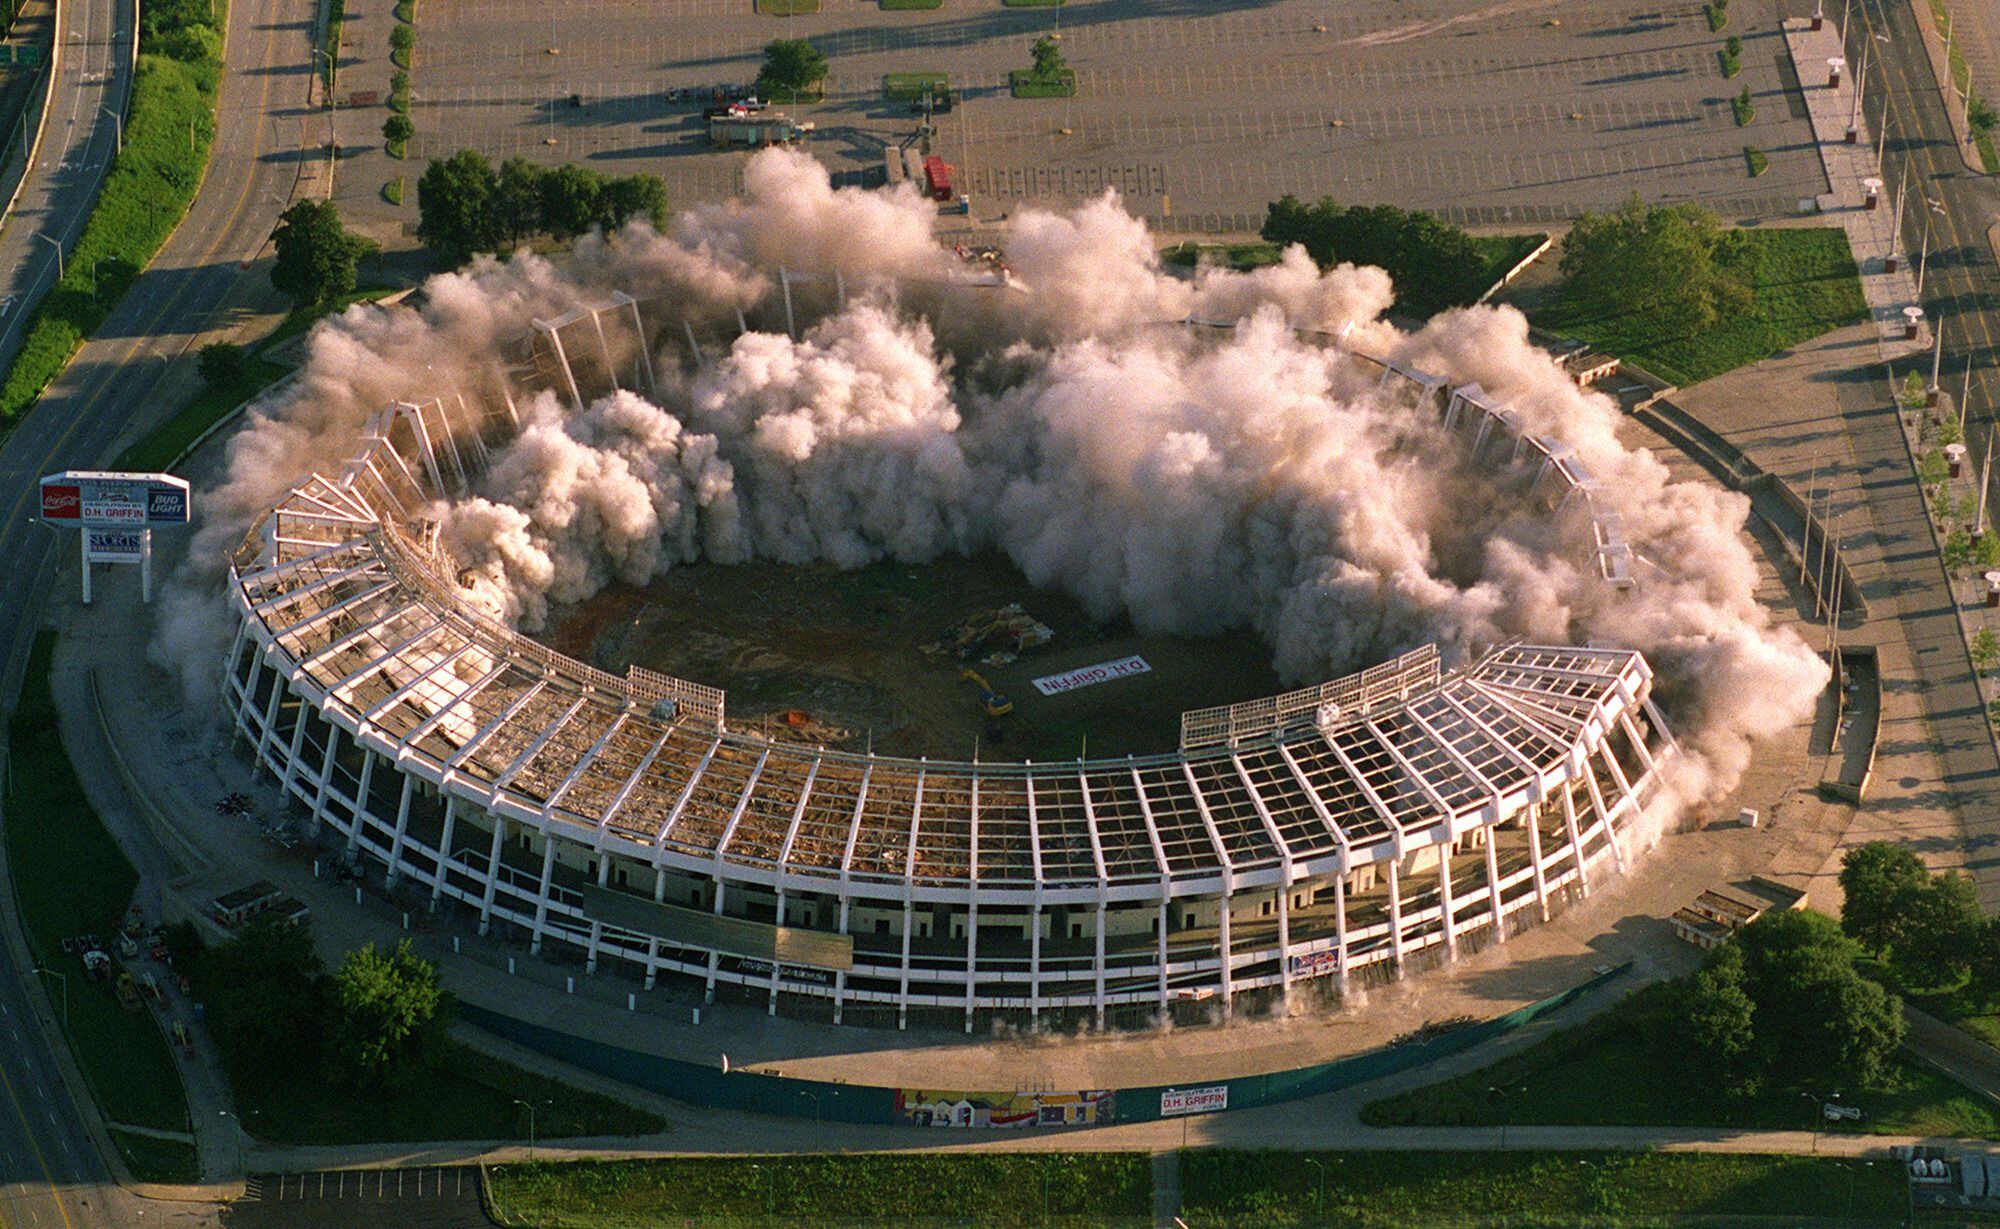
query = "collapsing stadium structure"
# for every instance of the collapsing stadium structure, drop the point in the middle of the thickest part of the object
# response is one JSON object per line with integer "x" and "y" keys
{"x": 1311, "y": 842}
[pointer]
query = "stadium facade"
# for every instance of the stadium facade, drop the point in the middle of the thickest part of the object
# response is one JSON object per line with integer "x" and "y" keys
{"x": 1298, "y": 845}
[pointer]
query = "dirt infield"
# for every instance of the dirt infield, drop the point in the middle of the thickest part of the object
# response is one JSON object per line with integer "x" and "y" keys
{"x": 854, "y": 658}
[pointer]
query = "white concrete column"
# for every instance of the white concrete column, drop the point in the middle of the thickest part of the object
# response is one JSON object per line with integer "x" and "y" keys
{"x": 492, "y": 872}
{"x": 1535, "y": 858}
{"x": 771, "y": 1001}
{"x": 1285, "y": 940}
{"x": 1161, "y": 954}
{"x": 971, "y": 959}
{"x": 590, "y": 952}
{"x": 1340, "y": 924}
{"x": 840, "y": 975}
{"x": 444, "y": 847}
{"x": 325, "y": 779}
{"x": 652, "y": 961}
{"x": 293, "y": 752}
{"x": 395, "y": 873}
{"x": 903, "y": 972}
{"x": 1097, "y": 964}
{"x": 361, "y": 796}
{"x": 714, "y": 957}
{"x": 542, "y": 894}
{"x": 659, "y": 885}
{"x": 1226, "y": 979}
{"x": 1493, "y": 883}
{"x": 1445, "y": 902}
{"x": 1575, "y": 841}
{"x": 1035, "y": 957}
{"x": 1396, "y": 913}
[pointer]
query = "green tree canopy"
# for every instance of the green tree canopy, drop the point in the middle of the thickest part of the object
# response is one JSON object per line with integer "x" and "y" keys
{"x": 1816, "y": 1019}
{"x": 1719, "y": 1016}
{"x": 260, "y": 991}
{"x": 1934, "y": 944}
{"x": 1049, "y": 63}
{"x": 456, "y": 215}
{"x": 517, "y": 199}
{"x": 221, "y": 365}
{"x": 317, "y": 258}
{"x": 1668, "y": 263}
{"x": 1434, "y": 266}
{"x": 398, "y": 127}
{"x": 792, "y": 66}
{"x": 569, "y": 201}
{"x": 388, "y": 1016}
{"x": 625, "y": 197}
{"x": 1877, "y": 881}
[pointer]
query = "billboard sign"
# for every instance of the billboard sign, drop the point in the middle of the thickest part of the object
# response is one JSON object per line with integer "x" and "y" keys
{"x": 1175, "y": 1102}
{"x": 1088, "y": 676}
{"x": 114, "y": 545}
{"x": 84, "y": 499}
{"x": 1315, "y": 964}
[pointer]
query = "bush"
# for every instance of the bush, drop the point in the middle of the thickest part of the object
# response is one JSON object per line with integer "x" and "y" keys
{"x": 221, "y": 364}
{"x": 149, "y": 186}
{"x": 1434, "y": 266}
{"x": 1744, "y": 110}
{"x": 465, "y": 206}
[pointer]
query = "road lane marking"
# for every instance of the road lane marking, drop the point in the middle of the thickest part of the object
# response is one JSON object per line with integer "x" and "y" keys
{"x": 34, "y": 1146}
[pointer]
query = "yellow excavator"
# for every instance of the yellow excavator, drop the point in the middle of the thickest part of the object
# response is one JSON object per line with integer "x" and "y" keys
{"x": 994, "y": 704}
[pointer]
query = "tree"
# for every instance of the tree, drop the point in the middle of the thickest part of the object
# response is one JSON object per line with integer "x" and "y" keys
{"x": 625, "y": 197}
{"x": 517, "y": 198}
{"x": 1980, "y": 115}
{"x": 1719, "y": 1018}
{"x": 455, "y": 207}
{"x": 792, "y": 66}
{"x": 1049, "y": 64}
{"x": 261, "y": 995}
{"x": 569, "y": 201}
{"x": 1816, "y": 1019}
{"x": 1878, "y": 880}
{"x": 316, "y": 257}
{"x": 1668, "y": 264}
{"x": 398, "y": 128}
{"x": 388, "y": 1017}
{"x": 1986, "y": 958}
{"x": 221, "y": 365}
{"x": 1985, "y": 649}
{"x": 1434, "y": 266}
{"x": 1933, "y": 945}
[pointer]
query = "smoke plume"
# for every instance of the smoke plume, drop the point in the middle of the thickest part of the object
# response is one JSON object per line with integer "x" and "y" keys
{"x": 1191, "y": 479}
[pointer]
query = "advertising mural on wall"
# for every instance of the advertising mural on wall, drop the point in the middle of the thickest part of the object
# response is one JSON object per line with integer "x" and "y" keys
{"x": 929, "y": 1108}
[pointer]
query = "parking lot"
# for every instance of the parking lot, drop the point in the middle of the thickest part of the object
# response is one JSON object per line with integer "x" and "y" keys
{"x": 1199, "y": 112}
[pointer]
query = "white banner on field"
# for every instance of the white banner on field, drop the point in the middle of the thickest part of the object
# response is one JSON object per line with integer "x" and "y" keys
{"x": 1087, "y": 676}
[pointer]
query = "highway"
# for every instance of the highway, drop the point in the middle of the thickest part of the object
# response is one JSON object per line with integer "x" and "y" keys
{"x": 1961, "y": 294}
{"x": 80, "y": 133}
{"x": 206, "y": 283}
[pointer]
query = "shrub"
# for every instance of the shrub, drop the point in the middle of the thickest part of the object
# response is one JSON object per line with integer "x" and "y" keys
{"x": 221, "y": 364}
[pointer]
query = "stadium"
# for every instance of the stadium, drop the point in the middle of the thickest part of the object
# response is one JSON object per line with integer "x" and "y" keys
{"x": 1290, "y": 848}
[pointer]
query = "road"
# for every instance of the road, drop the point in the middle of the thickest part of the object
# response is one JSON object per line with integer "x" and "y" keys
{"x": 206, "y": 282}
{"x": 92, "y": 85}
{"x": 1961, "y": 293}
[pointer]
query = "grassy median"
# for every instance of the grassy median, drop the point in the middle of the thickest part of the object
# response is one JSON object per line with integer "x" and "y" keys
{"x": 148, "y": 188}
{"x": 1073, "y": 1190}
{"x": 71, "y": 878}
{"x": 1426, "y": 1190}
{"x": 1604, "y": 1072}
{"x": 1803, "y": 280}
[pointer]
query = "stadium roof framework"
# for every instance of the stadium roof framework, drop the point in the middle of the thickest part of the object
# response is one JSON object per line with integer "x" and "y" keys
{"x": 1339, "y": 831}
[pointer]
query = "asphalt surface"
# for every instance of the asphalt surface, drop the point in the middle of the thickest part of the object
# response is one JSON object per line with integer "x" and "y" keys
{"x": 205, "y": 283}
{"x": 92, "y": 86}
{"x": 1961, "y": 294}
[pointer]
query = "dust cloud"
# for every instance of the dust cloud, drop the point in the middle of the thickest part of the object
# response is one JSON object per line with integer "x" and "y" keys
{"x": 1190, "y": 479}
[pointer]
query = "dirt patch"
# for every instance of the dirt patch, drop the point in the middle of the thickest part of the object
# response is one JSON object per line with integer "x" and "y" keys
{"x": 853, "y": 659}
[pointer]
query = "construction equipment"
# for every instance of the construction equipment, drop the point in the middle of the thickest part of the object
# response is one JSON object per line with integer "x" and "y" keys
{"x": 992, "y": 702}
{"x": 1009, "y": 628}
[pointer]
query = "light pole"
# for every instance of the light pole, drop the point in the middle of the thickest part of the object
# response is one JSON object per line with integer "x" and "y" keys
{"x": 64, "y": 979}
{"x": 59, "y": 256}
{"x": 530, "y": 1106}
{"x": 241, "y": 1134}
{"x": 817, "y": 1120}
{"x": 1319, "y": 1198}
{"x": 117, "y": 130}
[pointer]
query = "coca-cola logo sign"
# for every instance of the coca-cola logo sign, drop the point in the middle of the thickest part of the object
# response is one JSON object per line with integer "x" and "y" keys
{"x": 61, "y": 503}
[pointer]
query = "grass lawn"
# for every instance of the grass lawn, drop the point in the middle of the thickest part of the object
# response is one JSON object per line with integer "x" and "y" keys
{"x": 1026, "y": 84}
{"x": 1242, "y": 1190}
{"x": 471, "y": 1097}
{"x": 1603, "y": 1072}
{"x": 892, "y": 5}
{"x": 1960, "y": 1005}
{"x": 1755, "y": 161}
{"x": 70, "y": 878}
{"x": 785, "y": 8}
{"x": 152, "y": 1159}
{"x": 1030, "y": 4}
{"x": 157, "y": 451}
{"x": 1804, "y": 283}
{"x": 1083, "y": 1190}
{"x": 912, "y": 87}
